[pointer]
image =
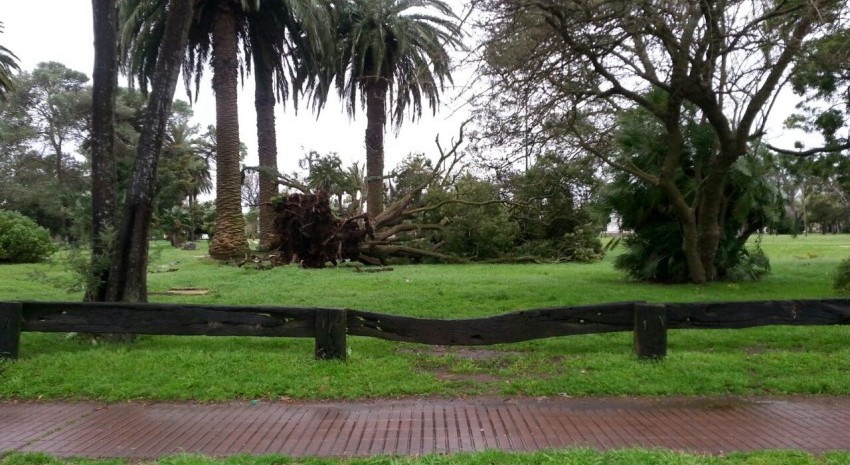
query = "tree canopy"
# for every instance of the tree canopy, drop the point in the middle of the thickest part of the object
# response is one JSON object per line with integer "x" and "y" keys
{"x": 577, "y": 65}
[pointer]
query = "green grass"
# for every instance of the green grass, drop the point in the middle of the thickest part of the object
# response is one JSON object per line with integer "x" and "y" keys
{"x": 565, "y": 457}
{"x": 770, "y": 360}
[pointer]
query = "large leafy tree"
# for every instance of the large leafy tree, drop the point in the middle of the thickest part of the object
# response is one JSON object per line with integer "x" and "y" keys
{"x": 821, "y": 77}
{"x": 41, "y": 124}
{"x": 653, "y": 250}
{"x": 57, "y": 104}
{"x": 269, "y": 30}
{"x": 8, "y": 64}
{"x": 577, "y": 64}
{"x": 396, "y": 50}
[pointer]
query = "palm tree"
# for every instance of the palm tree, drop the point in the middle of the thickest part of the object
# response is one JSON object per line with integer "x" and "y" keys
{"x": 217, "y": 30}
{"x": 392, "y": 48}
{"x": 296, "y": 32}
{"x": 190, "y": 154}
{"x": 128, "y": 267}
{"x": 8, "y": 64}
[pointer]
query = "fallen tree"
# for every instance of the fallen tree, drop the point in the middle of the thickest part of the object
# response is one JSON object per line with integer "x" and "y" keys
{"x": 308, "y": 233}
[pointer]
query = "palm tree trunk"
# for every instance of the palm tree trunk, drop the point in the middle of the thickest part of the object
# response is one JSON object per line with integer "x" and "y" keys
{"x": 103, "y": 171}
{"x": 264, "y": 103}
{"x": 128, "y": 270}
{"x": 229, "y": 241}
{"x": 192, "y": 217}
{"x": 376, "y": 120}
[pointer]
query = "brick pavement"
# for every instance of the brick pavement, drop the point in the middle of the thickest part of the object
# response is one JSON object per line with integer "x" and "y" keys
{"x": 422, "y": 426}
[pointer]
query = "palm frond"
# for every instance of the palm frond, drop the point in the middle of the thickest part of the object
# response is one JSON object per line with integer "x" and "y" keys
{"x": 402, "y": 42}
{"x": 8, "y": 64}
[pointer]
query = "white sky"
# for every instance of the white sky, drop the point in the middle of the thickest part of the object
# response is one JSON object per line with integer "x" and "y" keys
{"x": 61, "y": 30}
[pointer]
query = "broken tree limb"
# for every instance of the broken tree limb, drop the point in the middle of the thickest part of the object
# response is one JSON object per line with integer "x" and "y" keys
{"x": 282, "y": 179}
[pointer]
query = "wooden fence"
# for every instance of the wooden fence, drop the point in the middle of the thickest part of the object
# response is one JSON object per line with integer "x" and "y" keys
{"x": 330, "y": 326}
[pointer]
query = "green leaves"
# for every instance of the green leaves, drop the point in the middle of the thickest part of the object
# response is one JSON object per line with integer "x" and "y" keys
{"x": 22, "y": 240}
{"x": 8, "y": 63}
{"x": 383, "y": 40}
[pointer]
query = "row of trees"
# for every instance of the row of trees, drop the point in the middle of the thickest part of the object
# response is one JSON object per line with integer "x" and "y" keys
{"x": 302, "y": 44}
{"x": 45, "y": 148}
{"x": 376, "y": 48}
{"x": 665, "y": 101}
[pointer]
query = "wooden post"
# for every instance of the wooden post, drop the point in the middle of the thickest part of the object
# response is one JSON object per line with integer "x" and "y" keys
{"x": 331, "y": 327}
{"x": 650, "y": 331}
{"x": 10, "y": 329}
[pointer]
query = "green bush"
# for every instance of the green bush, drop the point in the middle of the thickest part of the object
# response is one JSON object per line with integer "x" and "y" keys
{"x": 841, "y": 282}
{"x": 22, "y": 240}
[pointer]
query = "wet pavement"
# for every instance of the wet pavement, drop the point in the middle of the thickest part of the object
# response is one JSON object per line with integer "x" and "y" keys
{"x": 423, "y": 426}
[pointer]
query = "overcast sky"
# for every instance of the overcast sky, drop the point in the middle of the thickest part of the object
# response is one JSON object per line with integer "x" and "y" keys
{"x": 61, "y": 30}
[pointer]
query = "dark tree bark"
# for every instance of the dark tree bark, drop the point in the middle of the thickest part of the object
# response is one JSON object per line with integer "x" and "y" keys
{"x": 264, "y": 103}
{"x": 128, "y": 270}
{"x": 376, "y": 121}
{"x": 229, "y": 241}
{"x": 103, "y": 175}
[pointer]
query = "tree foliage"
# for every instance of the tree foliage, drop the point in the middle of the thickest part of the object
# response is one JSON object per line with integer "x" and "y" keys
{"x": 391, "y": 51}
{"x": 653, "y": 246}
{"x": 42, "y": 123}
{"x": 8, "y": 65}
{"x": 282, "y": 40}
{"x": 576, "y": 65}
{"x": 22, "y": 240}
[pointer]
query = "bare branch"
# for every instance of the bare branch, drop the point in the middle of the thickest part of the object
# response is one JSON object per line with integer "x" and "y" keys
{"x": 282, "y": 179}
{"x": 810, "y": 152}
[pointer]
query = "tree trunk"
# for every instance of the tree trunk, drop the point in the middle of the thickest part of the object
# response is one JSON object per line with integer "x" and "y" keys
{"x": 103, "y": 174}
{"x": 192, "y": 218}
{"x": 376, "y": 119}
{"x": 229, "y": 241}
{"x": 708, "y": 219}
{"x": 667, "y": 182}
{"x": 264, "y": 103}
{"x": 128, "y": 270}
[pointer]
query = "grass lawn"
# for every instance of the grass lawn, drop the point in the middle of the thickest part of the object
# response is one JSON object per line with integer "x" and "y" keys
{"x": 567, "y": 457}
{"x": 772, "y": 360}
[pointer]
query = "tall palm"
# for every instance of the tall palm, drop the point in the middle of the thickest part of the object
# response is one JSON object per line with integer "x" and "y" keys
{"x": 299, "y": 32}
{"x": 394, "y": 49}
{"x": 8, "y": 64}
{"x": 218, "y": 28}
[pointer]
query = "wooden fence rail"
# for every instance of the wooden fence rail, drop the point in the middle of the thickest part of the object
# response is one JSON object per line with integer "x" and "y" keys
{"x": 330, "y": 326}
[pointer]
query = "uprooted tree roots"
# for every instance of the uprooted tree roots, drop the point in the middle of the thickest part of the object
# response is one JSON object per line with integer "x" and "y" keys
{"x": 308, "y": 233}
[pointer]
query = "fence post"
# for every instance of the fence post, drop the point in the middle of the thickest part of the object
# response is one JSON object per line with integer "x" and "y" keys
{"x": 650, "y": 331}
{"x": 10, "y": 329}
{"x": 331, "y": 327}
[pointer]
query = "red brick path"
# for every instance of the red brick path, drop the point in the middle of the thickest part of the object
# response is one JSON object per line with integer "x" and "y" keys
{"x": 410, "y": 427}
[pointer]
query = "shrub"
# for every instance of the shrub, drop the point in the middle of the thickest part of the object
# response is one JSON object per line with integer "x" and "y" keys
{"x": 841, "y": 282}
{"x": 22, "y": 240}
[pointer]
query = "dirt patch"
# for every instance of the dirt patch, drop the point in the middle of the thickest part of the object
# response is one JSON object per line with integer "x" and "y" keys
{"x": 183, "y": 291}
{"x": 465, "y": 353}
{"x": 482, "y": 378}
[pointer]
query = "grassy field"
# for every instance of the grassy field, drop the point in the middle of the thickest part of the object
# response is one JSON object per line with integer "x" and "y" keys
{"x": 774, "y": 360}
{"x": 567, "y": 457}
